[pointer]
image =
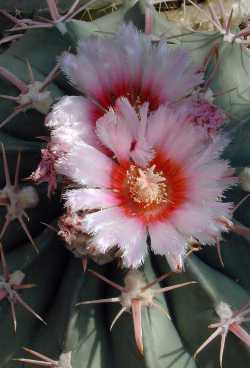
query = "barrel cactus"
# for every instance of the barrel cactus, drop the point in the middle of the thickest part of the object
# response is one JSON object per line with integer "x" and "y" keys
{"x": 124, "y": 235}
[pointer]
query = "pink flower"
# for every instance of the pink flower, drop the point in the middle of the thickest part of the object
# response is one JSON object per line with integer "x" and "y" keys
{"x": 105, "y": 69}
{"x": 206, "y": 116}
{"x": 129, "y": 65}
{"x": 79, "y": 243}
{"x": 71, "y": 229}
{"x": 45, "y": 172}
{"x": 71, "y": 122}
{"x": 162, "y": 182}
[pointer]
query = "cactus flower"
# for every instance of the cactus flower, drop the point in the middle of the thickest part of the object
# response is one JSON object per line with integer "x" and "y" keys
{"x": 206, "y": 116}
{"x": 45, "y": 171}
{"x": 163, "y": 182}
{"x": 129, "y": 65}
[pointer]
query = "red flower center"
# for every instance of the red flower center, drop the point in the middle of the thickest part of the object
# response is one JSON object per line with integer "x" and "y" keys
{"x": 151, "y": 193}
{"x": 136, "y": 96}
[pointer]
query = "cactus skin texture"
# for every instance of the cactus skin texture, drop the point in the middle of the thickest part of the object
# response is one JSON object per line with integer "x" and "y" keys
{"x": 79, "y": 337}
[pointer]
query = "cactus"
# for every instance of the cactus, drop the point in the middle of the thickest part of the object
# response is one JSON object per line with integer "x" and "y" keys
{"x": 62, "y": 279}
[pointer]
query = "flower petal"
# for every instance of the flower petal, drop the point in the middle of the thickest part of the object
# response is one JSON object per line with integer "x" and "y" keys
{"x": 112, "y": 227}
{"x": 87, "y": 166}
{"x": 70, "y": 121}
{"x": 90, "y": 199}
{"x": 115, "y": 134}
{"x": 126, "y": 63}
{"x": 198, "y": 222}
{"x": 166, "y": 240}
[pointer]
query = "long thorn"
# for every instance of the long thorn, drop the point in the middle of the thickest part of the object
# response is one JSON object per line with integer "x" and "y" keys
{"x": 242, "y": 309}
{"x": 156, "y": 281}
{"x": 99, "y": 301}
{"x": 13, "y": 313}
{"x": 109, "y": 282}
{"x": 28, "y": 308}
{"x": 53, "y": 10}
{"x": 204, "y": 13}
{"x": 53, "y": 228}
{"x": 218, "y": 248}
{"x": 35, "y": 362}
{"x": 228, "y": 24}
{"x": 137, "y": 322}
{"x": 31, "y": 75}
{"x": 4, "y": 264}
{"x": 11, "y": 98}
{"x": 161, "y": 309}
{"x": 214, "y": 16}
{"x": 222, "y": 12}
{"x": 222, "y": 346}
{"x": 50, "y": 77}
{"x": 240, "y": 333}
{"x": 148, "y": 21}
{"x": 208, "y": 340}
{"x": 118, "y": 315}
{"x": 23, "y": 107}
{"x": 10, "y": 117}
{"x": 24, "y": 286}
{"x": 17, "y": 172}
{"x": 5, "y": 167}
{"x": 8, "y": 39}
{"x": 39, "y": 355}
{"x": 241, "y": 230}
{"x": 4, "y": 228}
{"x": 10, "y": 17}
{"x": 26, "y": 230}
{"x": 81, "y": 8}
{"x": 243, "y": 33}
{"x": 169, "y": 288}
{"x": 70, "y": 11}
{"x": 84, "y": 263}
{"x": 240, "y": 202}
{"x": 18, "y": 83}
{"x": 35, "y": 26}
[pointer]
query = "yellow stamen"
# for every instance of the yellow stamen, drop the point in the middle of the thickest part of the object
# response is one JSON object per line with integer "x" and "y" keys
{"x": 146, "y": 186}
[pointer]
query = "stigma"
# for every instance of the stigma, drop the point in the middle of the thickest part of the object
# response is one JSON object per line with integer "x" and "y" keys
{"x": 148, "y": 186}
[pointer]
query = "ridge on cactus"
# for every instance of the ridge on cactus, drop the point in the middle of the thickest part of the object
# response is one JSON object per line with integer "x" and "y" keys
{"x": 229, "y": 321}
{"x": 9, "y": 284}
{"x": 135, "y": 294}
{"x": 32, "y": 95}
{"x": 162, "y": 172}
{"x": 16, "y": 200}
